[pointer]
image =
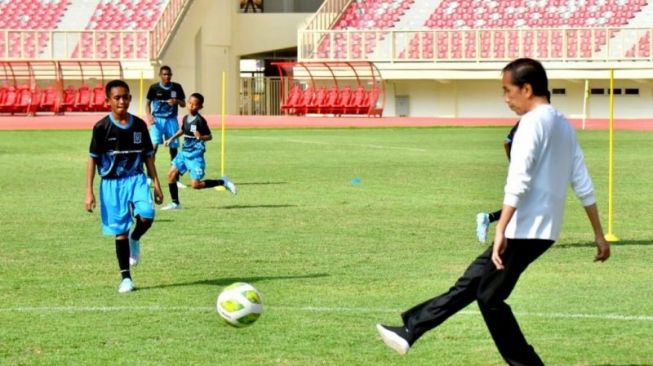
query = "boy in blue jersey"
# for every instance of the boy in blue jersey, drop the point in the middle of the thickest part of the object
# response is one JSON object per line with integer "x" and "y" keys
{"x": 119, "y": 147}
{"x": 484, "y": 219}
{"x": 163, "y": 100}
{"x": 191, "y": 158}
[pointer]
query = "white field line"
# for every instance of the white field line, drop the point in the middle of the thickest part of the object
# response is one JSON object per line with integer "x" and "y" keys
{"x": 371, "y": 146}
{"x": 314, "y": 309}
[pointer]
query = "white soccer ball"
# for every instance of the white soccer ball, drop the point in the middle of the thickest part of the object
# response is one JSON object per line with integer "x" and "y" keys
{"x": 240, "y": 304}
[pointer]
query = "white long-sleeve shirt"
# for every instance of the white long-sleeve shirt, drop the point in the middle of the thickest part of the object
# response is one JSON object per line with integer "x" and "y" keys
{"x": 545, "y": 159}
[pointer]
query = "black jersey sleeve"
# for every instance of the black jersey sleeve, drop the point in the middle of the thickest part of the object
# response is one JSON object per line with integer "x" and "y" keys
{"x": 97, "y": 146}
{"x": 151, "y": 93}
{"x": 203, "y": 127}
{"x": 180, "y": 91}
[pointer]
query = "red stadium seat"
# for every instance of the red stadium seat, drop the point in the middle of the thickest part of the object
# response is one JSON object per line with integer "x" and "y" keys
{"x": 9, "y": 99}
{"x": 317, "y": 101}
{"x": 49, "y": 99}
{"x": 97, "y": 102}
{"x": 68, "y": 99}
{"x": 82, "y": 99}
{"x": 294, "y": 100}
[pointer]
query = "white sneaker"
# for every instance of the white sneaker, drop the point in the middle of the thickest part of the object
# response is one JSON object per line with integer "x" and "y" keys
{"x": 134, "y": 252}
{"x": 126, "y": 285}
{"x": 393, "y": 340}
{"x": 482, "y": 225}
{"x": 229, "y": 185}
{"x": 181, "y": 185}
{"x": 171, "y": 206}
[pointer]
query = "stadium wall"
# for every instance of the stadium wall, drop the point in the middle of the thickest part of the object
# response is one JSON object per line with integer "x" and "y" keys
{"x": 483, "y": 98}
{"x": 213, "y": 36}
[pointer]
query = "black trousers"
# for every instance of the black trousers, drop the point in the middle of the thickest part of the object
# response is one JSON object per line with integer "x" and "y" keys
{"x": 489, "y": 287}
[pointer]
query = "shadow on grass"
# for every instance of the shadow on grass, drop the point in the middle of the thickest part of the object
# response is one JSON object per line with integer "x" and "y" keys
{"x": 624, "y": 364}
{"x": 230, "y": 280}
{"x": 259, "y": 183}
{"x": 591, "y": 244}
{"x": 235, "y": 207}
{"x": 158, "y": 220}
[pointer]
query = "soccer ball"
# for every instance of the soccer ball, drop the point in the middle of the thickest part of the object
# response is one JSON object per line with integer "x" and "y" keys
{"x": 240, "y": 304}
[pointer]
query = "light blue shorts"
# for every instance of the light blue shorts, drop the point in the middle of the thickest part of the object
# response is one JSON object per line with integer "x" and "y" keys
{"x": 194, "y": 164}
{"x": 162, "y": 129}
{"x": 123, "y": 199}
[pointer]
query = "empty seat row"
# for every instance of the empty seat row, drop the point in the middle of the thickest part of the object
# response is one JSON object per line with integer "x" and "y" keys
{"x": 332, "y": 101}
{"x": 24, "y": 99}
{"x": 120, "y": 15}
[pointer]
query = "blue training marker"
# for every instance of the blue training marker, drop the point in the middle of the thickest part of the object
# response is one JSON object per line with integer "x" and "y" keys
{"x": 356, "y": 181}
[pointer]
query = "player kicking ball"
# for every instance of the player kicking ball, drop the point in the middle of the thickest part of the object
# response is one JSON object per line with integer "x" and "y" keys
{"x": 191, "y": 158}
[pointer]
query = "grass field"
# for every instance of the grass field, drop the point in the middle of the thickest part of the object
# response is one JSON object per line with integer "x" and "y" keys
{"x": 331, "y": 257}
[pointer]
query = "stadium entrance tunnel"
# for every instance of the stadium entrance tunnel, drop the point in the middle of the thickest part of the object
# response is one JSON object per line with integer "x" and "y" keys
{"x": 331, "y": 88}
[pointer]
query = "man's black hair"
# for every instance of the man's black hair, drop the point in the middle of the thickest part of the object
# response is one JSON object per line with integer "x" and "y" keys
{"x": 115, "y": 84}
{"x": 528, "y": 71}
{"x": 199, "y": 97}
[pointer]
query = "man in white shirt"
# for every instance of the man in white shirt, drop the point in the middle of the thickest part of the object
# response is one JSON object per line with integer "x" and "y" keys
{"x": 545, "y": 160}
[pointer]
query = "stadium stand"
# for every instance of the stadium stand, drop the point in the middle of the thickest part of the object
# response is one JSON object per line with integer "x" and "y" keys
{"x": 530, "y": 21}
{"x": 135, "y": 16}
{"x": 473, "y": 29}
{"x": 642, "y": 48}
{"x": 34, "y": 18}
{"x": 362, "y": 15}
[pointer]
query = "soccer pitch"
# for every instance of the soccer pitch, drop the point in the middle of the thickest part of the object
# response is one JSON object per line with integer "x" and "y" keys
{"x": 339, "y": 229}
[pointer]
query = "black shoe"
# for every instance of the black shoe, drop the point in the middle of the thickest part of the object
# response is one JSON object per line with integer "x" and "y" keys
{"x": 394, "y": 337}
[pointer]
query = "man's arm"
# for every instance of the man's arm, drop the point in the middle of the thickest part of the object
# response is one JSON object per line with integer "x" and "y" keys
{"x": 175, "y": 136}
{"x": 151, "y": 172}
{"x": 148, "y": 112}
{"x": 89, "y": 202}
{"x": 499, "y": 245}
{"x": 602, "y": 245}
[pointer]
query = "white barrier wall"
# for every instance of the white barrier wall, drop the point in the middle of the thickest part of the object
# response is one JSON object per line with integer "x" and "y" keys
{"x": 483, "y": 98}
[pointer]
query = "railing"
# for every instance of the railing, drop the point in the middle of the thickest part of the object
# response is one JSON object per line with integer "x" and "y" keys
{"x": 20, "y": 44}
{"x": 445, "y": 45}
{"x": 74, "y": 44}
{"x": 260, "y": 96}
{"x": 161, "y": 32}
{"x": 327, "y": 14}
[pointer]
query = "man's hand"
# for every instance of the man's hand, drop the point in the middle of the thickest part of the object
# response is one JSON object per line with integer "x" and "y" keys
{"x": 158, "y": 194}
{"x": 602, "y": 249}
{"x": 173, "y": 101}
{"x": 89, "y": 202}
{"x": 498, "y": 247}
{"x": 197, "y": 135}
{"x": 149, "y": 119}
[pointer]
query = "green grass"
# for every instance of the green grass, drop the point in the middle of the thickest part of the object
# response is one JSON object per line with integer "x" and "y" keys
{"x": 332, "y": 258}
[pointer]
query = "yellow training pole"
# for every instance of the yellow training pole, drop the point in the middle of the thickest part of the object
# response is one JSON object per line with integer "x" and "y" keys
{"x": 140, "y": 97}
{"x": 222, "y": 152}
{"x": 610, "y": 236}
{"x": 222, "y": 137}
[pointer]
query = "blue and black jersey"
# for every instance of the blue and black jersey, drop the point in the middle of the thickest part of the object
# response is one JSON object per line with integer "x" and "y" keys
{"x": 511, "y": 134}
{"x": 120, "y": 150}
{"x": 158, "y": 96}
{"x": 192, "y": 145}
